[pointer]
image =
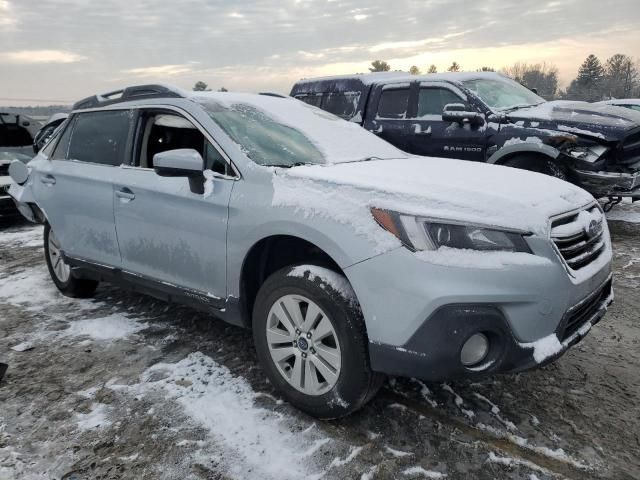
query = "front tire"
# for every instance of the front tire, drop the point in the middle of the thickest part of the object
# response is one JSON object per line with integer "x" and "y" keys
{"x": 311, "y": 341}
{"x": 61, "y": 273}
{"x": 539, "y": 164}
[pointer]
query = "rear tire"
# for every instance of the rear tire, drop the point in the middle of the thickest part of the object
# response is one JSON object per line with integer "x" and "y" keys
{"x": 297, "y": 309}
{"x": 61, "y": 273}
{"x": 538, "y": 164}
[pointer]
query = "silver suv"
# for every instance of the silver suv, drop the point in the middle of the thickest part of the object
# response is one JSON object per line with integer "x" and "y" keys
{"x": 348, "y": 258}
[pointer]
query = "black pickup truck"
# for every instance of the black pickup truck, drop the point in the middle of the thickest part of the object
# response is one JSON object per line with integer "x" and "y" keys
{"x": 487, "y": 117}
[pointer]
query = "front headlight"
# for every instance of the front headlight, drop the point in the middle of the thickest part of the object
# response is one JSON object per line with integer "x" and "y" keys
{"x": 422, "y": 234}
{"x": 589, "y": 154}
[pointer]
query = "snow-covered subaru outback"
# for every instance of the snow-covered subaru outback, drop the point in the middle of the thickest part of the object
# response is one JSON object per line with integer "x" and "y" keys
{"x": 348, "y": 258}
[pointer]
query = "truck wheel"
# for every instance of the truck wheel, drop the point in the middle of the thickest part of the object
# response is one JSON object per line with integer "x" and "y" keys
{"x": 311, "y": 341}
{"x": 61, "y": 272}
{"x": 537, "y": 163}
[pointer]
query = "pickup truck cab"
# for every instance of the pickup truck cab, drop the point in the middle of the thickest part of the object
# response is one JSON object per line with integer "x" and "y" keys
{"x": 487, "y": 117}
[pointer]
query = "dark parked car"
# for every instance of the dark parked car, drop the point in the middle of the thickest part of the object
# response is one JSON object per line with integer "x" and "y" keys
{"x": 17, "y": 133}
{"x": 46, "y": 132}
{"x": 487, "y": 117}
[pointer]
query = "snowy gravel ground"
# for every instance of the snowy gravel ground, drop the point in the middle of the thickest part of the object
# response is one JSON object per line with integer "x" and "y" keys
{"x": 125, "y": 387}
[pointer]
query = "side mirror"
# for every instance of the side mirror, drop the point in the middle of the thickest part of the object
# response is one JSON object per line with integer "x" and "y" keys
{"x": 456, "y": 112}
{"x": 18, "y": 172}
{"x": 183, "y": 162}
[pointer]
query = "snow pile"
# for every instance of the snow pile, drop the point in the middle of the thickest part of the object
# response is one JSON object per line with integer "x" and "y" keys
{"x": 420, "y": 472}
{"x": 625, "y": 212}
{"x": 109, "y": 328}
{"x": 333, "y": 279}
{"x": 544, "y": 348}
{"x": 250, "y": 437}
{"x": 96, "y": 418}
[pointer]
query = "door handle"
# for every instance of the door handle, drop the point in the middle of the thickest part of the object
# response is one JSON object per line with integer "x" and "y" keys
{"x": 48, "y": 180}
{"x": 125, "y": 194}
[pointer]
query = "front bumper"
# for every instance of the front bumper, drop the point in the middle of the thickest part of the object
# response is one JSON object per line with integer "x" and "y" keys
{"x": 433, "y": 353}
{"x": 605, "y": 184}
{"x": 419, "y": 314}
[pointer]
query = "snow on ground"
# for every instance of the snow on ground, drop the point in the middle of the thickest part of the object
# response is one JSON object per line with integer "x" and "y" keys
{"x": 251, "y": 438}
{"x": 28, "y": 237}
{"x": 111, "y": 327}
{"x": 625, "y": 212}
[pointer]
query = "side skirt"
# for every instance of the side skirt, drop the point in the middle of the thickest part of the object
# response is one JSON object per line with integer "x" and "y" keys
{"x": 227, "y": 310}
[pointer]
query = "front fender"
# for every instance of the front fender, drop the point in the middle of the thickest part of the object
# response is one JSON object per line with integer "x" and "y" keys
{"x": 525, "y": 147}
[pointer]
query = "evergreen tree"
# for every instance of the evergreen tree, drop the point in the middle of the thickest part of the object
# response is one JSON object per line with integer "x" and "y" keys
{"x": 590, "y": 83}
{"x": 486, "y": 69}
{"x": 379, "y": 66}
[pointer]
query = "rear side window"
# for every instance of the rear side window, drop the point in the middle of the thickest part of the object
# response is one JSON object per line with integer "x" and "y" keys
{"x": 311, "y": 99}
{"x": 342, "y": 104}
{"x": 433, "y": 100}
{"x": 62, "y": 146}
{"x": 393, "y": 103}
{"x": 100, "y": 137}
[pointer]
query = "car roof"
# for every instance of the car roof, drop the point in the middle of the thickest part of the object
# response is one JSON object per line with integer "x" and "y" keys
{"x": 393, "y": 77}
{"x": 622, "y": 101}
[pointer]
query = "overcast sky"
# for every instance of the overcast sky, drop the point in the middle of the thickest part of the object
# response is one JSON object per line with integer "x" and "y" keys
{"x": 67, "y": 49}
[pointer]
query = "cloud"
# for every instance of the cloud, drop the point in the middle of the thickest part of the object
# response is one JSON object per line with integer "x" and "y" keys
{"x": 41, "y": 56}
{"x": 160, "y": 70}
{"x": 6, "y": 17}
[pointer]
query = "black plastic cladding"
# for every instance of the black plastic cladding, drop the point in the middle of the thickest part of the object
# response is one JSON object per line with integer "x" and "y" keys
{"x": 126, "y": 95}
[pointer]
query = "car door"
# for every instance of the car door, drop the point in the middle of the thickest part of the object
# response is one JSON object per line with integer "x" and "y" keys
{"x": 74, "y": 187}
{"x": 168, "y": 232}
{"x": 390, "y": 117}
{"x": 431, "y": 136}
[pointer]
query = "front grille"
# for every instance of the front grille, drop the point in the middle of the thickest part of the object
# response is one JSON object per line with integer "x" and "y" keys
{"x": 579, "y": 237}
{"x": 585, "y": 310}
{"x": 629, "y": 152}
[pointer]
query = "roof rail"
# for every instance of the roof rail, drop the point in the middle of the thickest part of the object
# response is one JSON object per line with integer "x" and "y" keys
{"x": 126, "y": 95}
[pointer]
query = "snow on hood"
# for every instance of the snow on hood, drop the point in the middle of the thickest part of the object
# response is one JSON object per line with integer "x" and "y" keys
{"x": 599, "y": 121}
{"x": 431, "y": 187}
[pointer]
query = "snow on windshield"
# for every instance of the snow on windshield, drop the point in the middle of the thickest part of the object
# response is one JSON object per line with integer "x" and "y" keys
{"x": 502, "y": 93}
{"x": 286, "y": 131}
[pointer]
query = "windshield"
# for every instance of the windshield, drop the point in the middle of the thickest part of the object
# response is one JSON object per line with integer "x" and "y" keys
{"x": 287, "y": 132}
{"x": 502, "y": 94}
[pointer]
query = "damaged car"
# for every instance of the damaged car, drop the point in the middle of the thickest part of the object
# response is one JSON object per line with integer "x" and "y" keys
{"x": 348, "y": 258}
{"x": 487, "y": 117}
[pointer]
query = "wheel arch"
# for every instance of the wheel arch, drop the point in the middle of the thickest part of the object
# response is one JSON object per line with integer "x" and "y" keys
{"x": 270, "y": 254}
{"x": 507, "y": 153}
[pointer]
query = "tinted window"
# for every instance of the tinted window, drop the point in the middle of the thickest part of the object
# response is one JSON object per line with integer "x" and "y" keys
{"x": 100, "y": 137}
{"x": 313, "y": 99}
{"x": 342, "y": 104}
{"x": 393, "y": 103}
{"x": 433, "y": 100}
{"x": 62, "y": 147}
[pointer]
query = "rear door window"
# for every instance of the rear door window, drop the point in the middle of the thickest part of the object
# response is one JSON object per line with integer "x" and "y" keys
{"x": 342, "y": 104}
{"x": 100, "y": 137}
{"x": 393, "y": 103}
{"x": 432, "y": 101}
{"x": 311, "y": 99}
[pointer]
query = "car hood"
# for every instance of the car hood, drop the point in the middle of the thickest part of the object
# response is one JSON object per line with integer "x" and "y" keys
{"x": 593, "y": 120}
{"x": 432, "y": 187}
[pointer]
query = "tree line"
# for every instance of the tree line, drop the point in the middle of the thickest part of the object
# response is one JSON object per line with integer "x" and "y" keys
{"x": 617, "y": 77}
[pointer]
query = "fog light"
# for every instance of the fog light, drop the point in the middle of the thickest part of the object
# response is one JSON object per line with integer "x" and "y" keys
{"x": 474, "y": 350}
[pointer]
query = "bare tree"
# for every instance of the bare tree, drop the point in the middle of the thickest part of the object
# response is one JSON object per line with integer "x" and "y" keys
{"x": 543, "y": 77}
{"x": 622, "y": 76}
{"x": 414, "y": 70}
{"x": 455, "y": 67}
{"x": 432, "y": 69}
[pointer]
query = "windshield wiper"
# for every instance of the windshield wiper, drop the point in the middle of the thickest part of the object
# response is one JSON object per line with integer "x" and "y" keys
{"x": 523, "y": 105}
{"x": 288, "y": 165}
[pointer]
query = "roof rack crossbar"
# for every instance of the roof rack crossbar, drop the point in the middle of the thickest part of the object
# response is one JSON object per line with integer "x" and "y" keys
{"x": 125, "y": 95}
